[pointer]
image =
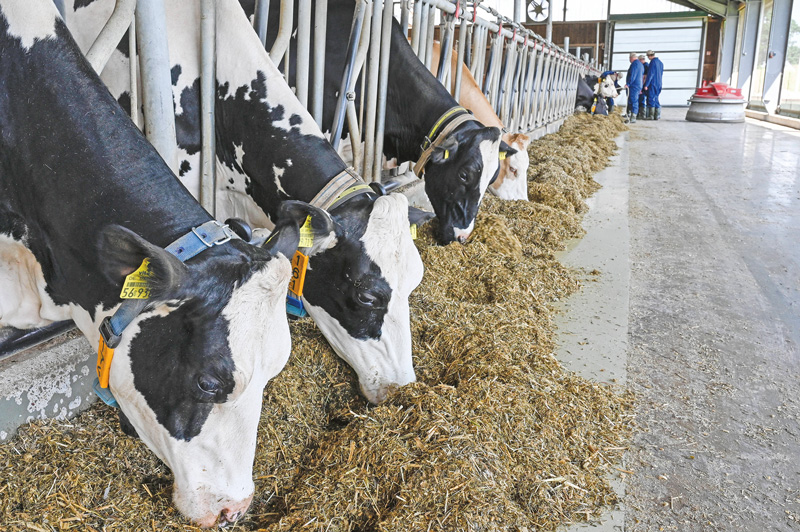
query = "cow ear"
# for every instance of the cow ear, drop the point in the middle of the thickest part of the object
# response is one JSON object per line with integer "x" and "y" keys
{"x": 293, "y": 222}
{"x": 446, "y": 151}
{"x": 419, "y": 217}
{"x": 122, "y": 252}
{"x": 509, "y": 151}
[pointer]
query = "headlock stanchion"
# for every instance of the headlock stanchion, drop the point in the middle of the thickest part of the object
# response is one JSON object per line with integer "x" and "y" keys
{"x": 529, "y": 81}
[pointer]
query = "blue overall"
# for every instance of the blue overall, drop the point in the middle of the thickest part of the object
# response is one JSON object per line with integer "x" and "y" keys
{"x": 634, "y": 81}
{"x": 642, "y": 96}
{"x": 653, "y": 82}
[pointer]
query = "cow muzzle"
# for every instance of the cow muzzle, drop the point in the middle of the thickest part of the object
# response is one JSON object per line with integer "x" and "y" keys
{"x": 208, "y": 510}
{"x": 462, "y": 234}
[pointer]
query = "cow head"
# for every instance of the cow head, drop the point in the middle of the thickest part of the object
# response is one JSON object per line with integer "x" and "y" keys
{"x": 190, "y": 370}
{"x": 457, "y": 175}
{"x": 357, "y": 290}
{"x": 512, "y": 181}
{"x": 605, "y": 88}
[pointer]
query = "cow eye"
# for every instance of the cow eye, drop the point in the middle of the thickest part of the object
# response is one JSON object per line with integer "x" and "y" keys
{"x": 368, "y": 299}
{"x": 463, "y": 175}
{"x": 208, "y": 385}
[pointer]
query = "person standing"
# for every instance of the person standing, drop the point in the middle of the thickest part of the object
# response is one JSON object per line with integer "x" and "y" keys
{"x": 652, "y": 86}
{"x": 634, "y": 83}
{"x": 642, "y": 99}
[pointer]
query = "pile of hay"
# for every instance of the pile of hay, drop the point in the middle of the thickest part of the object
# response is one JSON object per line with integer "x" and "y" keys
{"x": 495, "y": 435}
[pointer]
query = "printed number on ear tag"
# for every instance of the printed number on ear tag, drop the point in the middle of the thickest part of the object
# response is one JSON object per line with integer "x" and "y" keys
{"x": 413, "y": 231}
{"x": 137, "y": 284}
{"x": 306, "y": 234}
{"x": 299, "y": 265}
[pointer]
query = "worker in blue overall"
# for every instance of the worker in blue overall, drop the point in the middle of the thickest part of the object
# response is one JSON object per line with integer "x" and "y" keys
{"x": 614, "y": 76}
{"x": 634, "y": 83}
{"x": 652, "y": 86}
{"x": 642, "y": 99}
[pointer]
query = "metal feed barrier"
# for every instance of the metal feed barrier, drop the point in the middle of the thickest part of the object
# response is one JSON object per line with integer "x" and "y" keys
{"x": 530, "y": 82}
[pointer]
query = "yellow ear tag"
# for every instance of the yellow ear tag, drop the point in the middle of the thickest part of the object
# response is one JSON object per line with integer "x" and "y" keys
{"x": 502, "y": 156}
{"x": 299, "y": 266}
{"x": 104, "y": 356}
{"x": 446, "y": 154}
{"x": 306, "y": 234}
{"x": 413, "y": 231}
{"x": 136, "y": 285}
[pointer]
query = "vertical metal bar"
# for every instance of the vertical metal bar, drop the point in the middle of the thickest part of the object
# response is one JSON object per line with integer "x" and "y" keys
{"x": 549, "y": 31}
{"x": 159, "y": 115}
{"x": 208, "y": 180}
{"x": 281, "y": 44}
{"x": 462, "y": 46}
{"x": 445, "y": 51}
{"x": 404, "y": 15}
{"x": 260, "y": 19}
{"x": 487, "y": 82}
{"x": 541, "y": 98}
{"x": 504, "y": 81}
{"x": 416, "y": 28}
{"x": 371, "y": 97}
{"x": 383, "y": 86}
{"x": 596, "y": 44}
{"x": 352, "y": 49}
{"x": 303, "y": 51}
{"x": 528, "y": 95}
{"x": 514, "y": 87}
{"x": 133, "y": 66}
{"x": 555, "y": 89}
{"x": 423, "y": 30}
{"x": 477, "y": 34}
{"x": 429, "y": 37}
{"x": 318, "y": 75}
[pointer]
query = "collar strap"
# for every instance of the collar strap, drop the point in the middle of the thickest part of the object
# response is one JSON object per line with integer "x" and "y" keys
{"x": 453, "y": 118}
{"x": 199, "y": 239}
{"x": 342, "y": 187}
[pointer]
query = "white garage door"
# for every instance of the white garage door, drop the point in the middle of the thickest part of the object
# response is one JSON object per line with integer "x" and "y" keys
{"x": 676, "y": 42}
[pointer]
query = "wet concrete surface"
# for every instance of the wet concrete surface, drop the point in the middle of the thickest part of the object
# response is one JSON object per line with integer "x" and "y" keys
{"x": 593, "y": 323}
{"x": 696, "y": 306}
{"x": 714, "y": 326}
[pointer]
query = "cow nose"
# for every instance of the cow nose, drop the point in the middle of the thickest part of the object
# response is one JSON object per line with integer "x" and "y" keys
{"x": 461, "y": 238}
{"x": 229, "y": 517}
{"x": 233, "y": 512}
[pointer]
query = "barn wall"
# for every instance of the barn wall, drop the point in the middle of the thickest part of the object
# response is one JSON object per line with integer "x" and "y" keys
{"x": 581, "y": 34}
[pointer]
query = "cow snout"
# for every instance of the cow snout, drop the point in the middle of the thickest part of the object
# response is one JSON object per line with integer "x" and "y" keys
{"x": 233, "y": 513}
{"x": 377, "y": 396}
{"x": 227, "y": 513}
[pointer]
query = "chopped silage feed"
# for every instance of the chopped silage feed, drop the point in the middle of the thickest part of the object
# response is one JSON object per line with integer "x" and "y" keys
{"x": 494, "y": 436}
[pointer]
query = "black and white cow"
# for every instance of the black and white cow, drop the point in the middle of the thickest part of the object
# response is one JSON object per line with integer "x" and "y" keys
{"x": 270, "y": 149}
{"x": 84, "y": 199}
{"x": 592, "y": 93}
{"x": 460, "y": 170}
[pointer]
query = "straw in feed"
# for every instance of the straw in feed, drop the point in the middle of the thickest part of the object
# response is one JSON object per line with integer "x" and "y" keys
{"x": 494, "y": 436}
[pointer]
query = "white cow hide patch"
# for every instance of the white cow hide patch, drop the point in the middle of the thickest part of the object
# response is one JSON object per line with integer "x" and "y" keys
{"x": 28, "y": 23}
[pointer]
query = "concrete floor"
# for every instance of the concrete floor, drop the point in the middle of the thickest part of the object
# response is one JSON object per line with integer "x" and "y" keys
{"x": 710, "y": 325}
